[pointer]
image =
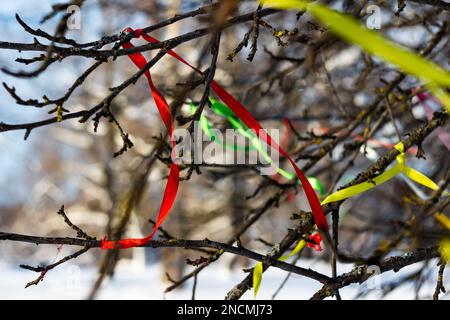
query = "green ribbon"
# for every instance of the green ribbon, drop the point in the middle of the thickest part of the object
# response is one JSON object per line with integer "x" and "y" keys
{"x": 255, "y": 144}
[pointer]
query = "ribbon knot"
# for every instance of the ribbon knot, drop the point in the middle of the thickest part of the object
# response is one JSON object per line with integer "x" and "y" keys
{"x": 138, "y": 33}
{"x": 401, "y": 157}
{"x": 400, "y": 147}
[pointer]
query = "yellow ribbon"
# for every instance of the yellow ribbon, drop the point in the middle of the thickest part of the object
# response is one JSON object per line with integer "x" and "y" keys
{"x": 400, "y": 167}
{"x": 258, "y": 269}
{"x": 445, "y": 250}
{"x": 443, "y": 219}
{"x": 444, "y": 247}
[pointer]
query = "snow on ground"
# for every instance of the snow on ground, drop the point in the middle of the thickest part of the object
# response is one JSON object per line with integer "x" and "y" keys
{"x": 71, "y": 281}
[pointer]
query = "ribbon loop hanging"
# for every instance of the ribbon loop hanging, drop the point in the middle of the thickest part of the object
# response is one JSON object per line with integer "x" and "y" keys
{"x": 241, "y": 113}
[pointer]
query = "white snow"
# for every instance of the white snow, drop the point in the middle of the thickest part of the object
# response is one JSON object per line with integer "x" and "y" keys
{"x": 71, "y": 281}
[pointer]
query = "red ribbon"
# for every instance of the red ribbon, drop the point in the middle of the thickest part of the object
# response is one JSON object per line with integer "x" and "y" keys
{"x": 240, "y": 111}
{"x": 174, "y": 173}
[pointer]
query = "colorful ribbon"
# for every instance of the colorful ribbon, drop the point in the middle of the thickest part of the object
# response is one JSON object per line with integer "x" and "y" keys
{"x": 172, "y": 184}
{"x": 400, "y": 167}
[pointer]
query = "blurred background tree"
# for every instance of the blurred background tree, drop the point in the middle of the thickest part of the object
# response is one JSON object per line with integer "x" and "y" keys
{"x": 342, "y": 105}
